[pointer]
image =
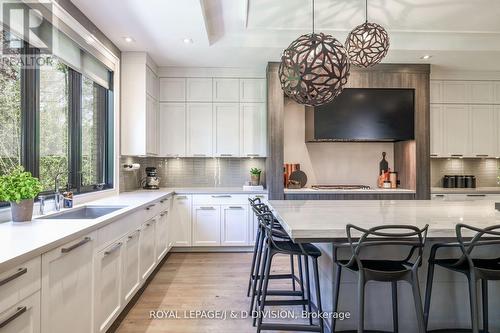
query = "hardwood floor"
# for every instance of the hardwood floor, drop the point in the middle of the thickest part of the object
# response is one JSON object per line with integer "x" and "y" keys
{"x": 198, "y": 281}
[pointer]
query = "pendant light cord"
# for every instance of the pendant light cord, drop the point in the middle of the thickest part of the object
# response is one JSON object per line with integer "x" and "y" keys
{"x": 313, "y": 16}
{"x": 366, "y": 11}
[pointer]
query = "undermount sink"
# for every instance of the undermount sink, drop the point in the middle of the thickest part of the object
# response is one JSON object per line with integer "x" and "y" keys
{"x": 83, "y": 213}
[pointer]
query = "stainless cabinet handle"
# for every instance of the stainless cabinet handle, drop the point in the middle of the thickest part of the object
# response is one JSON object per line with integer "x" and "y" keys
{"x": 207, "y": 208}
{"x": 162, "y": 201}
{"x": 226, "y": 155}
{"x": 439, "y": 195}
{"x": 476, "y": 195}
{"x": 221, "y": 196}
{"x": 482, "y": 155}
{"x": 133, "y": 235}
{"x": 235, "y": 207}
{"x": 18, "y": 273}
{"x": 149, "y": 207}
{"x": 148, "y": 225}
{"x": 19, "y": 311}
{"x": 253, "y": 155}
{"x": 164, "y": 213}
{"x": 434, "y": 155}
{"x": 456, "y": 155}
{"x": 113, "y": 249}
{"x": 74, "y": 246}
{"x": 182, "y": 197}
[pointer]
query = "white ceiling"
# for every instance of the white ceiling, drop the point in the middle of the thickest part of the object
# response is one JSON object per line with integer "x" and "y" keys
{"x": 459, "y": 34}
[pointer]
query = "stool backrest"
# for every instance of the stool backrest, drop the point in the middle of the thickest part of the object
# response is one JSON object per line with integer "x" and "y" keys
{"x": 483, "y": 237}
{"x": 388, "y": 235}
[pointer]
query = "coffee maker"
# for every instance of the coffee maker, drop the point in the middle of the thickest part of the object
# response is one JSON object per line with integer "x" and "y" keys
{"x": 152, "y": 181}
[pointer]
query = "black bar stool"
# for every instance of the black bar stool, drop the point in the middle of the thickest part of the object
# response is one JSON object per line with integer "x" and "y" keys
{"x": 382, "y": 270}
{"x": 475, "y": 269}
{"x": 258, "y": 208}
{"x": 272, "y": 247}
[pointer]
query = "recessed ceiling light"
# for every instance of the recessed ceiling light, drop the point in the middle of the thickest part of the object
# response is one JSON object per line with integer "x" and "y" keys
{"x": 128, "y": 39}
{"x": 187, "y": 41}
{"x": 425, "y": 57}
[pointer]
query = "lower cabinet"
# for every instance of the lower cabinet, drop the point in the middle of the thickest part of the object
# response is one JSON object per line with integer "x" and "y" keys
{"x": 24, "y": 317}
{"x": 107, "y": 289}
{"x": 234, "y": 225}
{"x": 206, "y": 225}
{"x": 147, "y": 257}
{"x": 180, "y": 221}
{"x": 161, "y": 232}
{"x": 67, "y": 287}
{"x": 131, "y": 279}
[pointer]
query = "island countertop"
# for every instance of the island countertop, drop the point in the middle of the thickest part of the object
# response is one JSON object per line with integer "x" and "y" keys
{"x": 325, "y": 220}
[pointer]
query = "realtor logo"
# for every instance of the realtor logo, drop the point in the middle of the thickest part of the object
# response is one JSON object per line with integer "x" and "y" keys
{"x": 29, "y": 22}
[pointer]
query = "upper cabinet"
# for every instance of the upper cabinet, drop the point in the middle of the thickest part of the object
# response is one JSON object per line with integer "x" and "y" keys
{"x": 199, "y": 129}
{"x": 199, "y": 89}
{"x": 465, "y": 92}
{"x": 253, "y": 138}
{"x": 139, "y": 105}
{"x": 226, "y": 90}
{"x": 172, "y": 120}
{"x": 172, "y": 90}
{"x": 227, "y": 129}
{"x": 252, "y": 90}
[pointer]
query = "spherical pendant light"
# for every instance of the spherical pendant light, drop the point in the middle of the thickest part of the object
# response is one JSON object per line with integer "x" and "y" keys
{"x": 314, "y": 69}
{"x": 367, "y": 44}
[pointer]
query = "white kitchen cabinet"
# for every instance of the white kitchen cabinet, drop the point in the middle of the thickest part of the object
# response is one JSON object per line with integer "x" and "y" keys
{"x": 147, "y": 258}
{"x": 436, "y": 129}
{"x": 253, "y": 132}
{"x": 252, "y": 90}
{"x": 436, "y": 91}
{"x": 139, "y": 105}
{"x": 161, "y": 242}
{"x": 199, "y": 89}
{"x": 23, "y": 317}
{"x": 172, "y": 90}
{"x": 206, "y": 225}
{"x": 107, "y": 285}
{"x": 180, "y": 220}
{"x": 131, "y": 279}
{"x": 481, "y": 92}
{"x": 226, "y": 90}
{"x": 172, "y": 128}
{"x": 66, "y": 300}
{"x": 227, "y": 129}
{"x": 456, "y": 92}
{"x": 234, "y": 225}
{"x": 199, "y": 129}
{"x": 483, "y": 130}
{"x": 456, "y": 132}
{"x": 496, "y": 91}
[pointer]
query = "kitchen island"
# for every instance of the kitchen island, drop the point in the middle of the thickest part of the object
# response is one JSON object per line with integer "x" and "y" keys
{"x": 323, "y": 222}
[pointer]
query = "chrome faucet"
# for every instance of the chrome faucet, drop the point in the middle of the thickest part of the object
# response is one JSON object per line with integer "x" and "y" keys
{"x": 57, "y": 194}
{"x": 41, "y": 203}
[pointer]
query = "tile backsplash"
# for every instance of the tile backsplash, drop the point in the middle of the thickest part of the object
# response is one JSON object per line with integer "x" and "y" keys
{"x": 192, "y": 172}
{"x": 486, "y": 170}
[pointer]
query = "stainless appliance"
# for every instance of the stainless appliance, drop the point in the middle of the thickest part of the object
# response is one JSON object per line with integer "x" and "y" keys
{"x": 340, "y": 187}
{"x": 152, "y": 181}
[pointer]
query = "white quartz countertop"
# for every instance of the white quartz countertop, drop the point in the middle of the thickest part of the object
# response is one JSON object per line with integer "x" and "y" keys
{"x": 313, "y": 220}
{"x": 22, "y": 241}
{"x": 477, "y": 190}
{"x": 212, "y": 190}
{"x": 307, "y": 190}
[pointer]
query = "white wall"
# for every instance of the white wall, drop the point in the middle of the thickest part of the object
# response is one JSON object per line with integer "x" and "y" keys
{"x": 331, "y": 162}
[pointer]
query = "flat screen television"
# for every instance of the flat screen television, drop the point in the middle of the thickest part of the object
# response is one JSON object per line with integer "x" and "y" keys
{"x": 364, "y": 115}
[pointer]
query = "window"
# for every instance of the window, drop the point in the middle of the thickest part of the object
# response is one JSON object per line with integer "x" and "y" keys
{"x": 56, "y": 121}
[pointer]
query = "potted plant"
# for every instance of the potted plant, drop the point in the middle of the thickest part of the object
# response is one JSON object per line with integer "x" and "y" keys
{"x": 19, "y": 188}
{"x": 255, "y": 176}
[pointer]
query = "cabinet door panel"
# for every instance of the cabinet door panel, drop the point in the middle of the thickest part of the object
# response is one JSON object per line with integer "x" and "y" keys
{"x": 131, "y": 278}
{"x": 152, "y": 84}
{"x": 234, "y": 221}
{"x": 481, "y": 92}
{"x": 227, "y": 129}
{"x": 172, "y": 129}
{"x": 497, "y": 92}
{"x": 200, "y": 129}
{"x": 436, "y": 124}
{"x": 456, "y": 92}
{"x": 206, "y": 225}
{"x": 483, "y": 130}
{"x": 199, "y": 89}
{"x": 252, "y": 90}
{"x": 107, "y": 288}
{"x": 172, "y": 90}
{"x": 180, "y": 220}
{"x": 67, "y": 287}
{"x": 161, "y": 242}
{"x": 151, "y": 126}
{"x": 456, "y": 129}
{"x": 23, "y": 317}
{"x": 436, "y": 91}
{"x": 226, "y": 90}
{"x": 147, "y": 248}
{"x": 253, "y": 129}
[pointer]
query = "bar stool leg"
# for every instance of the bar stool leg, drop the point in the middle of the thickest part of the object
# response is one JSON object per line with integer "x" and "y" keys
{"x": 301, "y": 277}
{"x": 484, "y": 285}
{"x": 473, "y": 303}
{"x": 338, "y": 272}
{"x": 418, "y": 302}
{"x": 258, "y": 266}
{"x": 257, "y": 298}
{"x": 361, "y": 302}
{"x": 253, "y": 273}
{"x": 308, "y": 287}
{"x": 265, "y": 278}
{"x": 395, "y": 324}
{"x": 318, "y": 294}
{"x": 428, "y": 292}
{"x": 292, "y": 271}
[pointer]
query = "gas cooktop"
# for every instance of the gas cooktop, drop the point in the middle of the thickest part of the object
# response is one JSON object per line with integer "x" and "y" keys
{"x": 340, "y": 187}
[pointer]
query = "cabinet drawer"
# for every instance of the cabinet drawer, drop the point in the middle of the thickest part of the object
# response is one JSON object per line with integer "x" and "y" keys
{"x": 117, "y": 229}
{"x": 164, "y": 204}
{"x": 22, "y": 317}
{"x": 19, "y": 282}
{"x": 220, "y": 199}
